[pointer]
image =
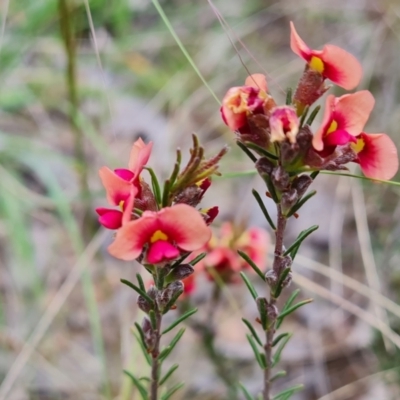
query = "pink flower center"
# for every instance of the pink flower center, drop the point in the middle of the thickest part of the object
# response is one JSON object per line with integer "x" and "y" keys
{"x": 125, "y": 174}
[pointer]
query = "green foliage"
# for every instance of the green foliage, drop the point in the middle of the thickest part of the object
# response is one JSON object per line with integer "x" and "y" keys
{"x": 179, "y": 320}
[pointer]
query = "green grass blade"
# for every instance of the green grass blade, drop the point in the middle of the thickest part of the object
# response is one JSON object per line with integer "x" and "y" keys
{"x": 182, "y": 47}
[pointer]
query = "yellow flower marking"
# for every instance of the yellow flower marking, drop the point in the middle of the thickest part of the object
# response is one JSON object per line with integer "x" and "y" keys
{"x": 317, "y": 64}
{"x": 158, "y": 235}
{"x": 332, "y": 127}
{"x": 357, "y": 147}
{"x": 121, "y": 205}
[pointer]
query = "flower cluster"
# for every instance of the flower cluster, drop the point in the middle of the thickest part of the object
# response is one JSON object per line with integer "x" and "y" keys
{"x": 156, "y": 227}
{"x": 252, "y": 113}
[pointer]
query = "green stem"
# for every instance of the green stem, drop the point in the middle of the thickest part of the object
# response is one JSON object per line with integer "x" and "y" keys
{"x": 68, "y": 37}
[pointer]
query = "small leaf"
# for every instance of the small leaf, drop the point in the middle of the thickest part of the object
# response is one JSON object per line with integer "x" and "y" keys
{"x": 197, "y": 259}
{"x": 303, "y": 235}
{"x": 314, "y": 174}
{"x": 257, "y": 354}
{"x": 283, "y": 314}
{"x": 247, "y": 151}
{"x": 173, "y": 390}
{"x": 166, "y": 192}
{"x": 142, "y": 390}
{"x": 252, "y": 264}
{"x": 246, "y": 393}
{"x": 155, "y": 185}
{"x": 144, "y": 350}
{"x": 176, "y": 169}
{"x": 300, "y": 203}
{"x": 252, "y": 330}
{"x": 313, "y": 114}
{"x": 261, "y": 150}
{"x": 153, "y": 319}
{"x": 179, "y": 320}
{"x": 249, "y": 285}
{"x": 289, "y": 93}
{"x": 165, "y": 353}
{"x": 304, "y": 115}
{"x": 286, "y": 394}
{"x": 279, "y": 285}
{"x": 288, "y": 303}
{"x": 168, "y": 374}
{"x": 262, "y": 309}
{"x": 279, "y": 338}
{"x": 140, "y": 282}
{"x": 277, "y": 355}
{"x": 138, "y": 290}
{"x": 263, "y": 209}
{"x": 278, "y": 375}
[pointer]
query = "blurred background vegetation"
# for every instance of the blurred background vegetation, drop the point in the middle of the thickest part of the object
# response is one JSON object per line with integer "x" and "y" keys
{"x": 80, "y": 81}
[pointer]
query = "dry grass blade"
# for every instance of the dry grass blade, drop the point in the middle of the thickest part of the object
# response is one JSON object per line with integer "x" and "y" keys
{"x": 366, "y": 316}
{"x": 51, "y": 311}
{"x": 367, "y": 254}
{"x": 351, "y": 283}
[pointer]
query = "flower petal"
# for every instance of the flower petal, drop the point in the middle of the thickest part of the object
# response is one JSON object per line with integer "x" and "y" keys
{"x": 257, "y": 81}
{"x": 297, "y": 44}
{"x": 318, "y": 142}
{"x": 352, "y": 111}
{"x": 184, "y": 225}
{"x": 109, "y": 218}
{"x": 132, "y": 236}
{"x": 117, "y": 189}
{"x": 378, "y": 159}
{"x": 338, "y": 138}
{"x": 125, "y": 174}
{"x": 139, "y": 156}
{"x": 341, "y": 67}
{"x": 161, "y": 251}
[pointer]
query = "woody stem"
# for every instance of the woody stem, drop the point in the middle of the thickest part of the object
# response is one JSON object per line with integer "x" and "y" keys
{"x": 155, "y": 361}
{"x": 270, "y": 332}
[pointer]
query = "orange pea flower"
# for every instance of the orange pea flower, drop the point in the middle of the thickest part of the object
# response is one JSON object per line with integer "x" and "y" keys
{"x": 163, "y": 233}
{"x": 377, "y": 155}
{"x": 122, "y": 186}
{"x": 222, "y": 250}
{"x": 344, "y": 118}
{"x": 332, "y": 62}
{"x": 242, "y": 101}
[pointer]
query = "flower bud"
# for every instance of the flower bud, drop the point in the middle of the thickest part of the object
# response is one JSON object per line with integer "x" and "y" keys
{"x": 271, "y": 278}
{"x": 144, "y": 305}
{"x": 310, "y": 88}
{"x": 180, "y": 272}
{"x": 280, "y": 178}
{"x": 301, "y": 184}
{"x": 191, "y": 195}
{"x": 264, "y": 166}
{"x": 167, "y": 297}
{"x": 288, "y": 200}
{"x": 284, "y": 124}
{"x": 149, "y": 337}
{"x": 272, "y": 312}
{"x": 288, "y": 280}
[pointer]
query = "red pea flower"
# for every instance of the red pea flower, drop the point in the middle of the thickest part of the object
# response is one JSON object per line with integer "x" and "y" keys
{"x": 332, "y": 62}
{"x": 122, "y": 185}
{"x": 344, "y": 118}
{"x": 242, "y": 101}
{"x": 377, "y": 155}
{"x": 165, "y": 233}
